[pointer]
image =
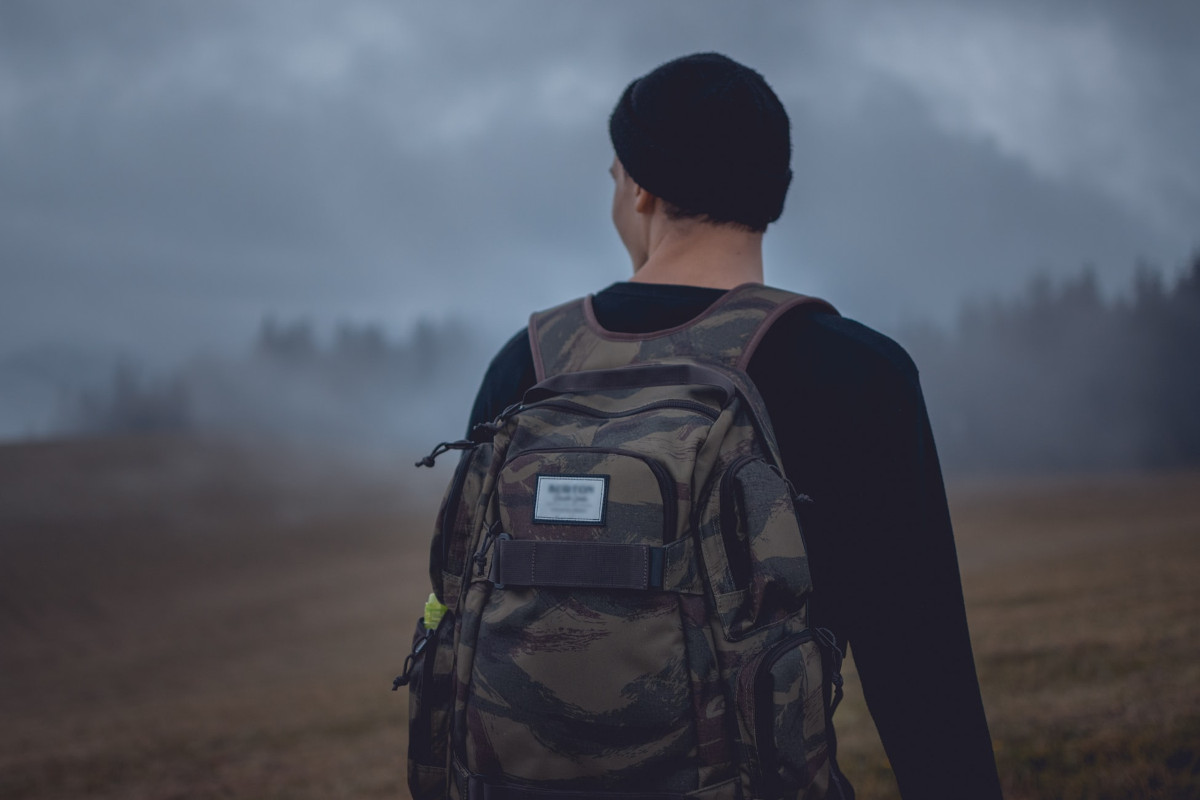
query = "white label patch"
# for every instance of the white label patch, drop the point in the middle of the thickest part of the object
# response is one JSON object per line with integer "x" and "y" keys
{"x": 564, "y": 498}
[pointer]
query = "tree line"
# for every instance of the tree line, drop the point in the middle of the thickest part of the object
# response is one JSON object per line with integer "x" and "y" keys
{"x": 1062, "y": 379}
{"x": 1058, "y": 379}
{"x": 357, "y": 387}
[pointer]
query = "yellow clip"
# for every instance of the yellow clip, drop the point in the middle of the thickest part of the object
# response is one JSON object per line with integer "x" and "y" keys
{"x": 434, "y": 611}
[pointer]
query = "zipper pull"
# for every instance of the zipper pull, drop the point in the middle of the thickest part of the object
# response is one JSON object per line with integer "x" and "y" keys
{"x": 829, "y": 641}
{"x": 461, "y": 444}
{"x": 800, "y": 498}
{"x": 480, "y": 558}
{"x": 405, "y": 675}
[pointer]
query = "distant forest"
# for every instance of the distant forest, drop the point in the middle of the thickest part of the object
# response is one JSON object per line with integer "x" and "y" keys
{"x": 356, "y": 389}
{"x": 1061, "y": 379}
{"x": 1057, "y": 379}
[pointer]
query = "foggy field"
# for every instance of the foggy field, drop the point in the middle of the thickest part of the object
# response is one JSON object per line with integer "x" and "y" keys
{"x": 184, "y": 619}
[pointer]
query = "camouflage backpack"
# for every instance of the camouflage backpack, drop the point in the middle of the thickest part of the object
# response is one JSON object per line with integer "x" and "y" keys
{"x": 625, "y": 582}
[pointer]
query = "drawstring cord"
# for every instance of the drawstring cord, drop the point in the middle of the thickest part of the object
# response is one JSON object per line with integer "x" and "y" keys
{"x": 461, "y": 444}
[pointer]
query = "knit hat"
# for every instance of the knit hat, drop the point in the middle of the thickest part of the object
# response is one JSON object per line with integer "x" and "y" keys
{"x": 707, "y": 135}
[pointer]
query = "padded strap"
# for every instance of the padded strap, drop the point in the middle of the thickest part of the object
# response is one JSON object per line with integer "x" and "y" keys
{"x": 582, "y": 565}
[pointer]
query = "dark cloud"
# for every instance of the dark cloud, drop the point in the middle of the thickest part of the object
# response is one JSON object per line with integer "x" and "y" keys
{"x": 172, "y": 172}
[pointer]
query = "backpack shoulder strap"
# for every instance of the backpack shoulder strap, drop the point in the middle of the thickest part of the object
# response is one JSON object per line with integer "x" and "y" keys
{"x": 568, "y": 338}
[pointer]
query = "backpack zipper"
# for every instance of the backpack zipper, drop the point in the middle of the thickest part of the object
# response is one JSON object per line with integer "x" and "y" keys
{"x": 480, "y": 557}
{"x": 579, "y": 408}
{"x": 741, "y": 569}
{"x": 450, "y": 516}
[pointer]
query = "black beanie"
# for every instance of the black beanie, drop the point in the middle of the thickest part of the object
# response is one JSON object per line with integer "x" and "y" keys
{"x": 707, "y": 135}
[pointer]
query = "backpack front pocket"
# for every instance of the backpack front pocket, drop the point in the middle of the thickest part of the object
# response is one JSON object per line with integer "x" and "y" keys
{"x": 580, "y": 679}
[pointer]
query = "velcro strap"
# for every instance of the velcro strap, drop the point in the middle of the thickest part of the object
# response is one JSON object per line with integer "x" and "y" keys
{"x": 582, "y": 565}
{"x": 479, "y": 789}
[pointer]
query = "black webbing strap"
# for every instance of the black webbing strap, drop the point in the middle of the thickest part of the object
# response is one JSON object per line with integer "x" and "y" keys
{"x": 582, "y": 565}
{"x": 479, "y": 789}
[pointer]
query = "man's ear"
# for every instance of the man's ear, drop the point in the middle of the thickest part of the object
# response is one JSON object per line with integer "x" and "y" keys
{"x": 643, "y": 201}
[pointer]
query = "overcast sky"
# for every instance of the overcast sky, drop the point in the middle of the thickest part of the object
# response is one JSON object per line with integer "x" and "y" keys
{"x": 170, "y": 172}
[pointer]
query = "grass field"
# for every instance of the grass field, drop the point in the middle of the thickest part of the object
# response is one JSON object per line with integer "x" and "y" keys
{"x": 183, "y": 619}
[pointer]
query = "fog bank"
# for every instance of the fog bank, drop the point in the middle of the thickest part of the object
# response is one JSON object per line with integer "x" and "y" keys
{"x": 1057, "y": 379}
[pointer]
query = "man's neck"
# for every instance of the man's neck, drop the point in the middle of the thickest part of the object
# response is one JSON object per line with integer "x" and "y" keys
{"x": 699, "y": 254}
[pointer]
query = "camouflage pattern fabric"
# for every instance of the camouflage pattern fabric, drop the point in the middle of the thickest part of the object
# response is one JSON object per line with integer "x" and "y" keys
{"x": 708, "y": 684}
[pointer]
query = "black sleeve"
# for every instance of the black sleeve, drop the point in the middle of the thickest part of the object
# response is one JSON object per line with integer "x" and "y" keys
{"x": 908, "y": 625}
{"x": 508, "y": 376}
{"x": 855, "y": 436}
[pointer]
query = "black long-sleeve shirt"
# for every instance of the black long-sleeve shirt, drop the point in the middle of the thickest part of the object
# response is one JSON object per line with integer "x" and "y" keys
{"x": 847, "y": 409}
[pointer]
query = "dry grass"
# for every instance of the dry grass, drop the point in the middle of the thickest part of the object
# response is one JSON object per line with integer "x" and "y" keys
{"x": 184, "y": 619}
{"x": 191, "y": 620}
{"x": 1084, "y": 603}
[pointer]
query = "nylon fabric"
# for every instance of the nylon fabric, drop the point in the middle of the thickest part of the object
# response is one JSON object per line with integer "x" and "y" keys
{"x": 571, "y": 673}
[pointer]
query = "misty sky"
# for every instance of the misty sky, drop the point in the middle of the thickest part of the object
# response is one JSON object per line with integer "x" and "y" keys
{"x": 171, "y": 172}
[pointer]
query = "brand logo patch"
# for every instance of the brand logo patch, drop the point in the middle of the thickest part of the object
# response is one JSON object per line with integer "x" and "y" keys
{"x": 575, "y": 499}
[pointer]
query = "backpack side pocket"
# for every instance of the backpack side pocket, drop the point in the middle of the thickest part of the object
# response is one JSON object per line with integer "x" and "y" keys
{"x": 455, "y": 526}
{"x": 761, "y": 575}
{"x": 780, "y": 698}
{"x": 428, "y": 671}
